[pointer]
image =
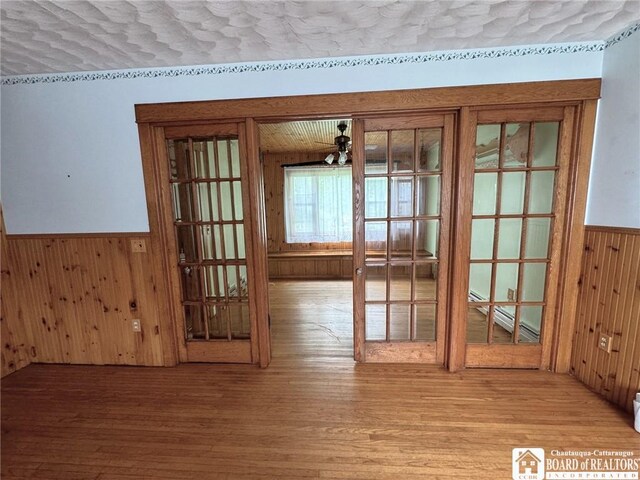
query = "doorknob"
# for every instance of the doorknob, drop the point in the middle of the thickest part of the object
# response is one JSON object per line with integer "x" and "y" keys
{"x": 358, "y": 271}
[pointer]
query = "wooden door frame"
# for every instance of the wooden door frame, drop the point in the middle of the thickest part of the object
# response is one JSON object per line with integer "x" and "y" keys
{"x": 433, "y": 352}
{"x": 155, "y": 163}
{"x": 554, "y": 353}
{"x": 582, "y": 94}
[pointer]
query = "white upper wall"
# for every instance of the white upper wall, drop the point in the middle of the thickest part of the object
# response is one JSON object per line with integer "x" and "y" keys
{"x": 70, "y": 155}
{"x": 614, "y": 189}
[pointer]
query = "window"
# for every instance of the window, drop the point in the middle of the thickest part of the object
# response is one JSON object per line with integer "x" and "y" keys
{"x": 318, "y": 204}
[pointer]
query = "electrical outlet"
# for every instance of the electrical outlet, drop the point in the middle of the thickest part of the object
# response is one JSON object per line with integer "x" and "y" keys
{"x": 136, "y": 325}
{"x": 138, "y": 246}
{"x": 511, "y": 294}
{"x": 605, "y": 343}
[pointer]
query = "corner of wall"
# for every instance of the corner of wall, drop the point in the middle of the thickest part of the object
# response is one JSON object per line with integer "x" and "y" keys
{"x": 17, "y": 346}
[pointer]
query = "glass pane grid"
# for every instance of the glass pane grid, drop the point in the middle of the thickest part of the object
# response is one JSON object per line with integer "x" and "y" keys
{"x": 207, "y": 192}
{"x": 401, "y": 283}
{"x": 514, "y": 190}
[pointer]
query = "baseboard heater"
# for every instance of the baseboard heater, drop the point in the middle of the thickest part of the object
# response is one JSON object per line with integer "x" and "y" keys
{"x": 506, "y": 320}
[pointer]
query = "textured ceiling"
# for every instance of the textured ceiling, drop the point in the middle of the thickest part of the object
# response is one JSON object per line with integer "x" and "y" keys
{"x": 70, "y": 35}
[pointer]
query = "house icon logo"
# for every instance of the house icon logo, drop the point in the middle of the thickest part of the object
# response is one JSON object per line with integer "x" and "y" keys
{"x": 528, "y": 463}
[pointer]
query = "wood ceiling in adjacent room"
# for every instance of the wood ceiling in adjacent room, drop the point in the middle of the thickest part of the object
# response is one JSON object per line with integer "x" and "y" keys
{"x": 305, "y": 136}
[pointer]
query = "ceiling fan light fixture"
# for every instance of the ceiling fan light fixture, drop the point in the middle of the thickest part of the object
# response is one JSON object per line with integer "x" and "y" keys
{"x": 342, "y": 159}
{"x": 330, "y": 158}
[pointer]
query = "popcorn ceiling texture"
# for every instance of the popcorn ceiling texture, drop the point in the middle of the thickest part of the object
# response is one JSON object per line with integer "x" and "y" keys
{"x": 71, "y": 36}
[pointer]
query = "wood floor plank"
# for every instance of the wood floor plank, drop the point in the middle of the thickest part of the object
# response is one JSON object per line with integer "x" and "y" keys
{"x": 312, "y": 414}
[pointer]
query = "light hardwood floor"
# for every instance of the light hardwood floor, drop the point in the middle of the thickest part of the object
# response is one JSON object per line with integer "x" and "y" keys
{"x": 312, "y": 414}
{"x": 314, "y": 318}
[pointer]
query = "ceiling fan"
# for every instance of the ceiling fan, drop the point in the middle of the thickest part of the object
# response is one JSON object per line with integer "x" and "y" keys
{"x": 342, "y": 154}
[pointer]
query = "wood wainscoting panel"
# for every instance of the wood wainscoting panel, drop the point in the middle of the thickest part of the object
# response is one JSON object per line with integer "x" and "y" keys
{"x": 17, "y": 344}
{"x": 79, "y": 295}
{"x": 297, "y": 260}
{"x": 609, "y": 303}
{"x": 274, "y": 201}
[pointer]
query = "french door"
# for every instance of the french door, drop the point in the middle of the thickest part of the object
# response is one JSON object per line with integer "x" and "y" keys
{"x": 402, "y": 172}
{"x": 512, "y": 210}
{"x": 206, "y": 175}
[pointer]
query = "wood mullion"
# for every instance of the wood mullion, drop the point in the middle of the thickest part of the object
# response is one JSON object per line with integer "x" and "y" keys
{"x": 389, "y": 224}
{"x": 208, "y": 180}
{"x": 414, "y": 224}
{"x": 412, "y": 319}
{"x": 223, "y": 263}
{"x": 512, "y": 260}
{"x": 523, "y": 235}
{"x": 513, "y": 215}
{"x": 233, "y": 202}
{"x": 518, "y": 169}
{"x": 198, "y": 234}
{"x": 496, "y": 231}
{"x": 490, "y": 323}
{"x": 216, "y": 286}
{"x": 214, "y": 222}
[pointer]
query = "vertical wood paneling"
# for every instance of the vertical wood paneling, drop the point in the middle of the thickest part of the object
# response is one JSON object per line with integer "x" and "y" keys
{"x": 274, "y": 200}
{"x": 16, "y": 349}
{"x": 609, "y": 303}
{"x": 296, "y": 267}
{"x": 78, "y": 296}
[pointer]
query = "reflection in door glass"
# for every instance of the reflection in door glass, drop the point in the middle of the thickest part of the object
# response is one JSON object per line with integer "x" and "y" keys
{"x": 403, "y": 190}
{"x": 375, "y": 152}
{"x": 487, "y": 146}
{"x": 402, "y": 149}
{"x": 400, "y": 321}
{"x": 376, "y": 324}
{"x": 425, "y": 322}
{"x": 516, "y": 145}
{"x": 400, "y": 281}
{"x": 517, "y": 192}
{"x": 428, "y": 195}
{"x": 429, "y": 140}
{"x": 208, "y": 213}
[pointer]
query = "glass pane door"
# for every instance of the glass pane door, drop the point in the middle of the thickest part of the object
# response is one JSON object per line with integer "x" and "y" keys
{"x": 406, "y": 182}
{"x": 208, "y": 207}
{"x": 515, "y": 178}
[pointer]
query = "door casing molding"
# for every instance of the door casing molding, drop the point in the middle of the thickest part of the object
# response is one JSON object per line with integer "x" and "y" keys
{"x": 580, "y": 94}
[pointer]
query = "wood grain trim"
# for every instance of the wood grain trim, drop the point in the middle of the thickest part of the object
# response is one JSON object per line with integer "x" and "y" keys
{"x": 306, "y": 106}
{"x": 555, "y": 279}
{"x": 461, "y": 238}
{"x": 312, "y": 254}
{"x": 606, "y": 229}
{"x": 503, "y": 356}
{"x": 357, "y": 169}
{"x": 194, "y": 131}
{"x": 256, "y": 230}
{"x": 539, "y": 114}
{"x": 44, "y": 236}
{"x": 574, "y": 237}
{"x": 400, "y": 352}
{"x": 237, "y": 351}
{"x": 153, "y": 164}
{"x": 404, "y": 122}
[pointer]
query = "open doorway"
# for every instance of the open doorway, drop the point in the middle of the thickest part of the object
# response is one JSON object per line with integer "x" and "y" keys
{"x": 309, "y": 212}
